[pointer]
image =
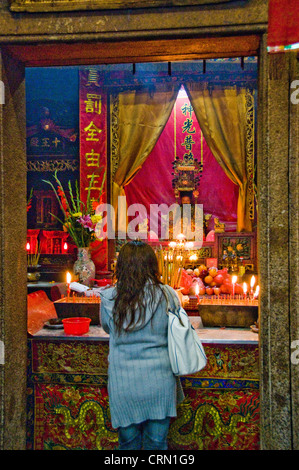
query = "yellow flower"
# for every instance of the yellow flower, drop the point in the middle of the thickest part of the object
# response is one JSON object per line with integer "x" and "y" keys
{"x": 239, "y": 247}
{"x": 96, "y": 218}
{"x": 77, "y": 214}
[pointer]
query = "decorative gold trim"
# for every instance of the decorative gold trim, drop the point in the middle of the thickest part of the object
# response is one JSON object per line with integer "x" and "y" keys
{"x": 250, "y": 116}
{"x": 52, "y": 165}
{"x": 69, "y": 5}
{"x": 114, "y": 135}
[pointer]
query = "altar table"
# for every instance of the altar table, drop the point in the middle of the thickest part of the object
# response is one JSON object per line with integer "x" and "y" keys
{"x": 68, "y": 403}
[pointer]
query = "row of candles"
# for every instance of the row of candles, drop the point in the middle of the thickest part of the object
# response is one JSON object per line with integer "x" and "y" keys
{"x": 247, "y": 297}
{"x": 73, "y": 298}
{"x": 30, "y": 250}
{"x": 91, "y": 299}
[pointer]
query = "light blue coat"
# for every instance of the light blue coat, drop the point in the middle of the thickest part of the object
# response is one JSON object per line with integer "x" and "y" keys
{"x": 141, "y": 384}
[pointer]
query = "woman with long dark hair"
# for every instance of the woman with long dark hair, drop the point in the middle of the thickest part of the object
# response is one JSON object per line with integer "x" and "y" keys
{"x": 141, "y": 386}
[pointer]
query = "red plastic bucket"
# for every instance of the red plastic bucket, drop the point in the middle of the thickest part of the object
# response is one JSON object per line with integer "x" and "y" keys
{"x": 76, "y": 326}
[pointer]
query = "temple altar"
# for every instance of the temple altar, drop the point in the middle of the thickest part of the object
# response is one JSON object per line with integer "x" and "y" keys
{"x": 69, "y": 404}
{"x": 85, "y": 161}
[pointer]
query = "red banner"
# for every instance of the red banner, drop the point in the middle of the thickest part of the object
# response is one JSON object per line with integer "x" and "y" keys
{"x": 283, "y": 23}
{"x": 93, "y": 150}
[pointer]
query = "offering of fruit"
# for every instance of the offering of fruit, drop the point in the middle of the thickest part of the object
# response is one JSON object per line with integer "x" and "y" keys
{"x": 203, "y": 271}
{"x": 208, "y": 279}
{"x": 196, "y": 272}
{"x": 218, "y": 279}
{"x": 209, "y": 291}
{"x": 201, "y": 290}
{"x": 216, "y": 290}
{"x": 213, "y": 271}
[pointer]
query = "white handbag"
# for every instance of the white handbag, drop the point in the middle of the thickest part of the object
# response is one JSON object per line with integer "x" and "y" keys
{"x": 186, "y": 353}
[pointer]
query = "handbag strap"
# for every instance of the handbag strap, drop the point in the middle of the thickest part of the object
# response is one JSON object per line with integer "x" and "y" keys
{"x": 176, "y": 302}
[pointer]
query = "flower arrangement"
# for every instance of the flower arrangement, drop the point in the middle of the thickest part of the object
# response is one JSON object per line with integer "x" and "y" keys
{"x": 79, "y": 218}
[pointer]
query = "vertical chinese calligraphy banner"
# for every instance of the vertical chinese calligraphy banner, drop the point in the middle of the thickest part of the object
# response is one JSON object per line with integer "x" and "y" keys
{"x": 93, "y": 150}
{"x": 188, "y": 136}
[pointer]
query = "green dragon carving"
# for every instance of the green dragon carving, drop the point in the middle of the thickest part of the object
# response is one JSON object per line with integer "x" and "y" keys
{"x": 83, "y": 425}
{"x": 199, "y": 431}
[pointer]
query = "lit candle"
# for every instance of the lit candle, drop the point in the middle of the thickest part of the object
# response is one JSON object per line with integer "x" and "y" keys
{"x": 65, "y": 247}
{"x": 68, "y": 281}
{"x": 172, "y": 245}
{"x": 28, "y": 249}
{"x": 257, "y": 290}
{"x": 234, "y": 280}
{"x": 252, "y": 282}
{"x": 244, "y": 289}
{"x": 189, "y": 245}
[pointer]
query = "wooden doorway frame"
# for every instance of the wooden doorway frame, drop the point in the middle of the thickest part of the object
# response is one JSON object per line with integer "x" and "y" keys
{"x": 15, "y": 58}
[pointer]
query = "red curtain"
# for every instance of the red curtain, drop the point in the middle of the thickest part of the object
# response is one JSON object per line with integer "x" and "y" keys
{"x": 153, "y": 183}
{"x": 283, "y": 22}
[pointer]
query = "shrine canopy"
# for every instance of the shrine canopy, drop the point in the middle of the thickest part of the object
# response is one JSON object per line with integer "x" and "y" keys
{"x": 283, "y": 25}
{"x": 153, "y": 183}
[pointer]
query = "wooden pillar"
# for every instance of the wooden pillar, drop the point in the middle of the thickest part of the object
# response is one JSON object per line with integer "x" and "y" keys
{"x": 293, "y": 246}
{"x": 13, "y": 324}
{"x": 277, "y": 243}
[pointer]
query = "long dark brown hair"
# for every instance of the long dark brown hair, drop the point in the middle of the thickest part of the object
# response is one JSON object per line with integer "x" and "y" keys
{"x": 136, "y": 266}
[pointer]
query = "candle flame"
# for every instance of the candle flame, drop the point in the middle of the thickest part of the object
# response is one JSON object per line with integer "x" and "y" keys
{"x": 234, "y": 279}
{"x": 189, "y": 245}
{"x": 257, "y": 290}
{"x": 68, "y": 278}
{"x": 252, "y": 282}
{"x": 196, "y": 289}
{"x": 244, "y": 287}
{"x": 172, "y": 244}
{"x": 28, "y": 246}
{"x": 65, "y": 246}
{"x": 181, "y": 236}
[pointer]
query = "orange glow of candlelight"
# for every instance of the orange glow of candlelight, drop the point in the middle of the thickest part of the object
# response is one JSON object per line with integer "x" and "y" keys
{"x": 68, "y": 278}
{"x": 257, "y": 290}
{"x": 244, "y": 287}
{"x": 28, "y": 246}
{"x": 65, "y": 247}
{"x": 252, "y": 282}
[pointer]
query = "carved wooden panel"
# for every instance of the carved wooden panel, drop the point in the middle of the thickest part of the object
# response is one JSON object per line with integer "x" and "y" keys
{"x": 68, "y": 5}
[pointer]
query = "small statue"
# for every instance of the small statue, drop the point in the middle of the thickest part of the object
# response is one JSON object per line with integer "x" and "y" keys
{"x": 218, "y": 226}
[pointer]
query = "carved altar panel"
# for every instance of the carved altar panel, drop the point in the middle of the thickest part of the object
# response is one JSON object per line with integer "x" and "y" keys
{"x": 68, "y": 5}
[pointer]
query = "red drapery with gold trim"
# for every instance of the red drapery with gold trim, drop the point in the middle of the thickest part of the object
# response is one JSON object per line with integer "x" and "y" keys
{"x": 153, "y": 183}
